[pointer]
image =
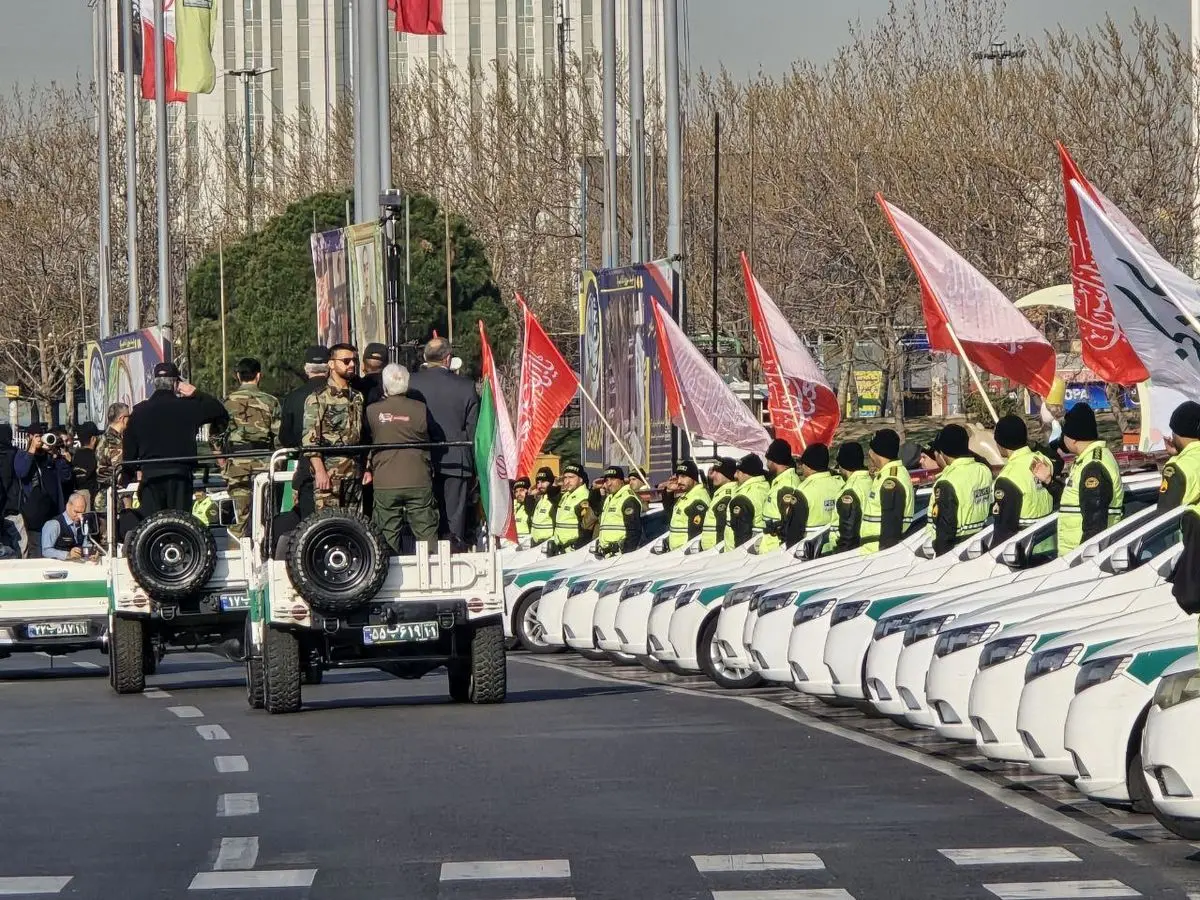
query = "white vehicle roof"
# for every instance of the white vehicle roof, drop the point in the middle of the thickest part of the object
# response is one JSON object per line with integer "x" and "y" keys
{"x": 1188, "y": 663}
{"x": 1162, "y": 638}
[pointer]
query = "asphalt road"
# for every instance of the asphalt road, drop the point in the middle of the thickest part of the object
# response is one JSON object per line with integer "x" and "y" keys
{"x": 576, "y": 787}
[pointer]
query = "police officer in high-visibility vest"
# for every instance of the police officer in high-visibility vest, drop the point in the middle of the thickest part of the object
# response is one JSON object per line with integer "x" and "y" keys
{"x": 891, "y": 500}
{"x": 785, "y": 485}
{"x": 1181, "y": 487}
{"x": 1018, "y": 499}
{"x": 962, "y": 494}
{"x": 745, "y": 516}
{"x": 1094, "y": 498}
{"x": 690, "y": 506}
{"x": 520, "y": 490}
{"x": 814, "y": 507}
{"x": 722, "y": 478}
{"x": 574, "y": 517}
{"x": 620, "y": 525}
{"x": 852, "y": 466}
{"x": 541, "y": 503}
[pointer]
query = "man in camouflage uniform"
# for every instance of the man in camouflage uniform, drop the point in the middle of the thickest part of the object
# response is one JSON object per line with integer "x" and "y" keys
{"x": 254, "y": 421}
{"x": 333, "y": 417}
{"x": 109, "y": 454}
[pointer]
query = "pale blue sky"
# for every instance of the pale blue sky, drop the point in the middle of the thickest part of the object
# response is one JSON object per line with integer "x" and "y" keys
{"x": 51, "y": 39}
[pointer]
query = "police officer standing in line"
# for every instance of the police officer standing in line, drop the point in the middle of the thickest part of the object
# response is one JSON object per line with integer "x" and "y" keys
{"x": 690, "y": 506}
{"x": 962, "y": 494}
{"x": 520, "y": 492}
{"x": 255, "y": 421}
{"x": 1181, "y": 487}
{"x": 815, "y": 505}
{"x": 619, "y": 529}
{"x": 164, "y": 426}
{"x": 574, "y": 517}
{"x": 851, "y": 464}
{"x": 333, "y": 417}
{"x": 1019, "y": 498}
{"x": 1094, "y": 498}
{"x": 785, "y": 485}
{"x": 540, "y": 504}
{"x": 745, "y": 516}
{"x": 291, "y": 426}
{"x": 721, "y": 477}
{"x": 891, "y": 501}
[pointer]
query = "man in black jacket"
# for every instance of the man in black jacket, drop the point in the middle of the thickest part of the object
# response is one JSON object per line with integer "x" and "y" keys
{"x": 164, "y": 426}
{"x": 453, "y": 405}
{"x": 83, "y": 462}
{"x": 12, "y": 526}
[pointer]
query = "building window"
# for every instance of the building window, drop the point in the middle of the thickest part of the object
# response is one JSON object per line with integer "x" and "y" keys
{"x": 549, "y": 36}
{"x": 277, "y": 102}
{"x": 303, "y": 57}
{"x": 398, "y": 56}
{"x": 502, "y": 34}
{"x": 474, "y": 41}
{"x": 253, "y": 57}
{"x": 229, "y": 45}
{"x": 586, "y": 23}
{"x": 526, "y": 25}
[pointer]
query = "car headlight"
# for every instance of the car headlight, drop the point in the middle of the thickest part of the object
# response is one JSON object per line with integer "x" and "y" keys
{"x": 612, "y": 587}
{"x": 1003, "y": 650}
{"x": 666, "y": 594}
{"x": 580, "y": 586}
{"x": 812, "y": 611}
{"x": 633, "y": 588}
{"x": 844, "y": 612}
{"x": 892, "y": 624}
{"x": 1098, "y": 671}
{"x": 553, "y": 585}
{"x": 961, "y": 638}
{"x": 738, "y": 595}
{"x": 773, "y": 602}
{"x": 686, "y": 597}
{"x": 1178, "y": 688}
{"x": 924, "y": 629}
{"x": 1048, "y": 661}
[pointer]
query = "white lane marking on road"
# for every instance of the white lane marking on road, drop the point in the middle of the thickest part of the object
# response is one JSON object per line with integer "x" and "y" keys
{"x": 35, "y": 884}
{"x": 758, "y": 862}
{"x": 1012, "y": 800}
{"x": 504, "y": 869}
{"x": 155, "y": 693}
{"x": 236, "y": 854}
{"x": 237, "y": 805}
{"x": 212, "y": 732}
{"x": 86, "y": 665}
{"x": 1062, "y": 890}
{"x": 809, "y": 894}
{"x": 186, "y": 712}
{"x": 989, "y": 856}
{"x": 42, "y": 653}
{"x": 261, "y": 878}
{"x": 226, "y": 764}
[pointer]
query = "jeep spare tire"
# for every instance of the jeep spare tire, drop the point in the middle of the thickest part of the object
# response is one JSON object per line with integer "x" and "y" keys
{"x": 171, "y": 555}
{"x": 337, "y": 560}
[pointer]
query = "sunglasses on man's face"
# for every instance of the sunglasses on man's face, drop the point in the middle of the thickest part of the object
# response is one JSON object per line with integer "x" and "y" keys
{"x": 347, "y": 360}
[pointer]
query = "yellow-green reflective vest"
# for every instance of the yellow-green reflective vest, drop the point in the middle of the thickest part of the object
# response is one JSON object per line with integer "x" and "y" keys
{"x": 755, "y": 490}
{"x": 1070, "y": 516}
{"x": 787, "y": 480}
{"x": 858, "y": 484}
{"x": 205, "y": 509}
{"x": 566, "y": 519}
{"x": 821, "y": 491}
{"x": 1036, "y": 502}
{"x": 678, "y": 534}
{"x": 541, "y": 523}
{"x": 1187, "y": 463}
{"x": 971, "y": 482}
{"x": 872, "y": 520}
{"x": 610, "y": 535}
{"x": 722, "y": 495}
{"x": 521, "y": 515}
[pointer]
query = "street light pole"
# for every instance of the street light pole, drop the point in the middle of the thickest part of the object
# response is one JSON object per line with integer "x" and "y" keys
{"x": 1195, "y": 129}
{"x": 244, "y": 75}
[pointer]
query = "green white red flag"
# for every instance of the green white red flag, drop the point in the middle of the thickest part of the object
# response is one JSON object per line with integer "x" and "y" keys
{"x": 495, "y": 450}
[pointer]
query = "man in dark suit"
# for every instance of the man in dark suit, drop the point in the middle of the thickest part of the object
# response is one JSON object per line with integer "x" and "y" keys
{"x": 453, "y": 405}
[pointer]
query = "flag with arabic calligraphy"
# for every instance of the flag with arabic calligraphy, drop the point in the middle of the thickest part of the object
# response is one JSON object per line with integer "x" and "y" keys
{"x": 548, "y": 386}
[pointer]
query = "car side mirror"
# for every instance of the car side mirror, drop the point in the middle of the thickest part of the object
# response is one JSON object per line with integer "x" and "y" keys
{"x": 1013, "y": 556}
{"x": 1121, "y": 559}
{"x": 90, "y": 523}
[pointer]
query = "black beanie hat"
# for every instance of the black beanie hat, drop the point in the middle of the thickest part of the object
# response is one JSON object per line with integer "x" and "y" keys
{"x": 953, "y": 440}
{"x": 1185, "y": 421}
{"x": 886, "y": 443}
{"x": 1011, "y": 433}
{"x": 851, "y": 457}
{"x": 544, "y": 474}
{"x": 727, "y": 466}
{"x": 816, "y": 457}
{"x": 780, "y": 453}
{"x": 521, "y": 483}
{"x": 1079, "y": 424}
{"x": 688, "y": 469}
{"x": 751, "y": 465}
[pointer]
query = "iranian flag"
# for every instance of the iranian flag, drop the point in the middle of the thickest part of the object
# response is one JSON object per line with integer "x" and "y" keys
{"x": 495, "y": 450}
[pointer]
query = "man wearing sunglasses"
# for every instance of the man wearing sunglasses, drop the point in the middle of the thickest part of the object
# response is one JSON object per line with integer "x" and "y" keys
{"x": 333, "y": 417}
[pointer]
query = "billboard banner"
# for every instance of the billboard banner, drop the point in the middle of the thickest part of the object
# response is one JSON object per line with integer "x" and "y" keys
{"x": 368, "y": 300}
{"x": 333, "y": 291}
{"x": 619, "y": 369}
{"x": 119, "y": 369}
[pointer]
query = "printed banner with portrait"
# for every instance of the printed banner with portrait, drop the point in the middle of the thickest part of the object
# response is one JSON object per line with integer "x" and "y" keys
{"x": 368, "y": 297}
{"x": 333, "y": 291}
{"x": 120, "y": 369}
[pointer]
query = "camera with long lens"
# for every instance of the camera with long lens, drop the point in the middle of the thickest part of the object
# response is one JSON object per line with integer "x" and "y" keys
{"x": 50, "y": 440}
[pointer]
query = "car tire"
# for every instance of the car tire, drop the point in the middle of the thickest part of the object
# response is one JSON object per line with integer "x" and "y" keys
{"x": 126, "y": 651}
{"x": 488, "y": 681}
{"x": 675, "y": 669}
{"x": 620, "y": 659}
{"x": 526, "y": 627}
{"x": 1188, "y": 829}
{"x": 255, "y": 678}
{"x": 711, "y": 665}
{"x": 594, "y": 655}
{"x": 171, "y": 555}
{"x": 1135, "y": 783}
{"x": 281, "y": 668}
{"x": 337, "y": 561}
{"x": 650, "y": 664}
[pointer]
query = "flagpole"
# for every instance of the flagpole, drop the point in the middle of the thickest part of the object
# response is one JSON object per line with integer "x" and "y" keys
{"x": 616, "y": 440}
{"x": 133, "y": 320}
{"x": 102, "y": 88}
{"x": 160, "y": 130}
{"x": 974, "y": 375}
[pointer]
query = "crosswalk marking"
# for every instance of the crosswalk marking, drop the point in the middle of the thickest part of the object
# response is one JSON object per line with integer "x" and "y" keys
{"x": 499, "y": 870}
{"x": 212, "y": 732}
{"x": 758, "y": 862}
{"x": 237, "y": 805}
{"x": 990, "y": 856}
{"x": 1062, "y": 890}
{"x": 226, "y": 764}
{"x": 236, "y": 853}
{"x": 85, "y": 665}
{"x": 155, "y": 693}
{"x": 186, "y": 712}
{"x": 804, "y": 894}
{"x": 259, "y": 878}
{"x": 32, "y": 884}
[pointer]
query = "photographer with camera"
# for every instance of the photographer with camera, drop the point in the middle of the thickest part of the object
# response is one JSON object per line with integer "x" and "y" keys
{"x": 44, "y": 475}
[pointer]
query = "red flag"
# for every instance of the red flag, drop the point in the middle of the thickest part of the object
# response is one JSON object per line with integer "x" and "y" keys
{"x": 804, "y": 408}
{"x": 699, "y": 400}
{"x": 959, "y": 302}
{"x": 418, "y": 16}
{"x": 174, "y": 95}
{"x": 548, "y": 386}
{"x": 1106, "y": 350}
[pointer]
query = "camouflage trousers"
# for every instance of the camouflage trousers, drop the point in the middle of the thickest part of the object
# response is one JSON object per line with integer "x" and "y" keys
{"x": 345, "y": 485}
{"x": 239, "y": 478}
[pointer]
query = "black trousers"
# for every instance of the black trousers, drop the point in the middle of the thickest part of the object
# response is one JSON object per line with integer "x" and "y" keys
{"x": 173, "y": 492}
{"x": 452, "y": 496}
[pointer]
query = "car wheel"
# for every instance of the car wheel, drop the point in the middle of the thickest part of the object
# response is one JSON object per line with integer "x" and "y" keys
{"x": 594, "y": 655}
{"x": 675, "y": 669}
{"x": 488, "y": 682}
{"x": 1188, "y": 829}
{"x": 715, "y": 668}
{"x": 1135, "y": 783}
{"x": 528, "y": 628}
{"x": 337, "y": 561}
{"x": 620, "y": 659}
{"x": 126, "y": 652}
{"x": 254, "y": 673}
{"x": 281, "y": 668}
{"x": 171, "y": 555}
{"x": 651, "y": 664}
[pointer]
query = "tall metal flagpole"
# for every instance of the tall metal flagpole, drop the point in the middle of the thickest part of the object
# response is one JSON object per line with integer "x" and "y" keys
{"x": 162, "y": 136}
{"x": 133, "y": 319}
{"x": 385, "y": 100}
{"x": 608, "y": 27}
{"x": 102, "y": 88}
{"x": 637, "y": 134}
{"x": 367, "y": 168}
{"x": 674, "y": 136}
{"x": 1195, "y": 128}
